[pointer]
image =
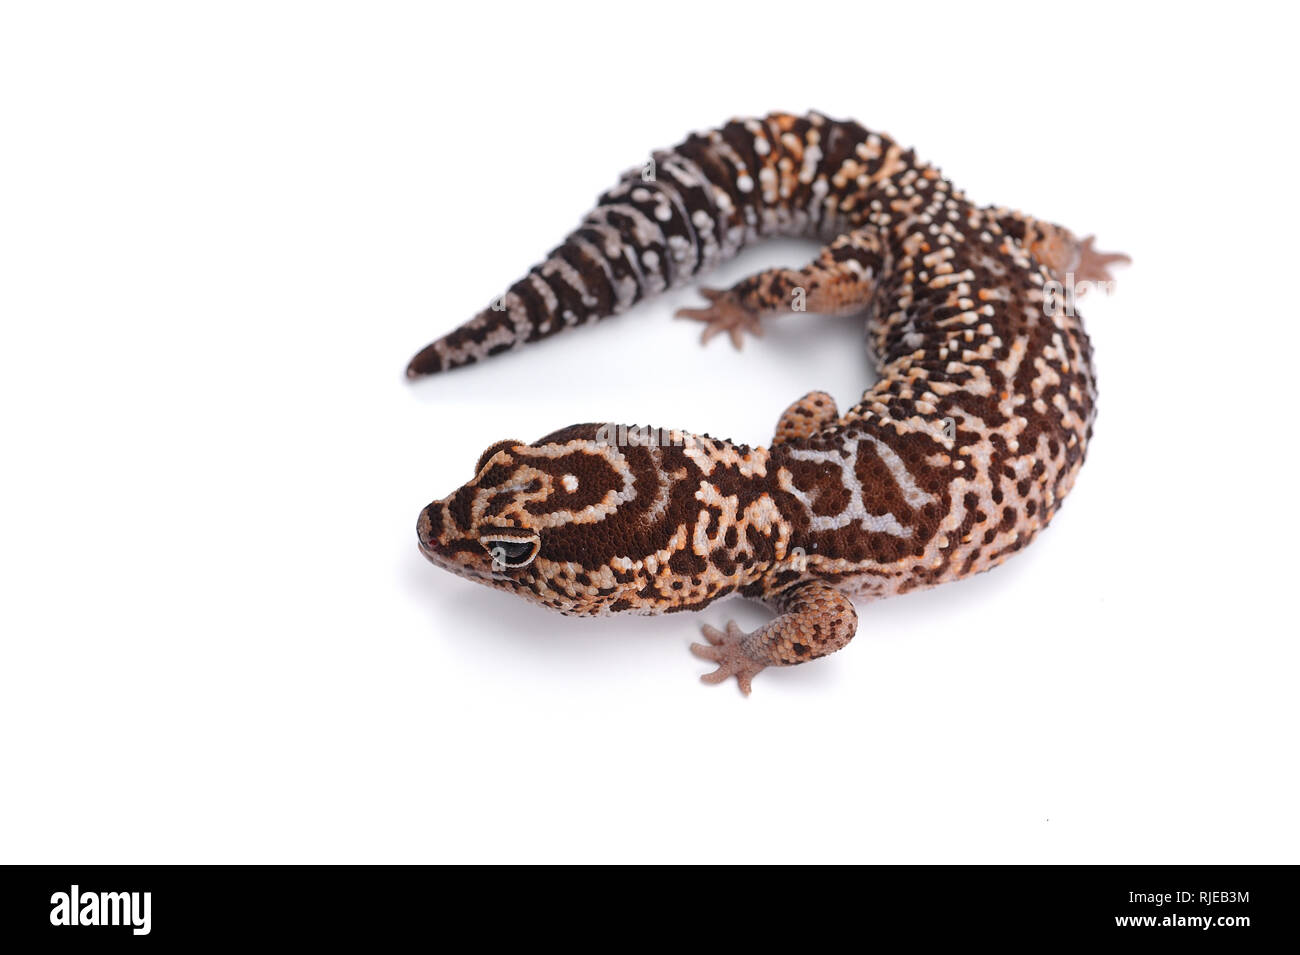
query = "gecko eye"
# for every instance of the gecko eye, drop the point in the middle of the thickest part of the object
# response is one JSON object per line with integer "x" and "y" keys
{"x": 511, "y": 551}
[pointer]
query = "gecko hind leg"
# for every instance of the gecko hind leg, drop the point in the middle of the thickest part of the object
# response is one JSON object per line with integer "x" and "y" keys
{"x": 815, "y": 620}
{"x": 810, "y": 414}
{"x": 840, "y": 281}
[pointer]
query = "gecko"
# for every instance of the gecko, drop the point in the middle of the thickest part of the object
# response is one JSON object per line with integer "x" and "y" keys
{"x": 954, "y": 460}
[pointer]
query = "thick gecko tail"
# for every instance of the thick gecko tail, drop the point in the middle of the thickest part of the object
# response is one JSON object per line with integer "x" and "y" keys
{"x": 645, "y": 235}
{"x": 598, "y": 271}
{"x": 576, "y": 284}
{"x": 488, "y": 332}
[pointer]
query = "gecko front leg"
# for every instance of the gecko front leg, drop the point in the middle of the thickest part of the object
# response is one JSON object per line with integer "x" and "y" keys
{"x": 840, "y": 281}
{"x": 815, "y": 620}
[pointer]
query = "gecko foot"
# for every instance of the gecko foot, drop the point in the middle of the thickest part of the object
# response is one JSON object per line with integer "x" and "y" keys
{"x": 725, "y": 650}
{"x": 1093, "y": 265}
{"x": 725, "y": 314}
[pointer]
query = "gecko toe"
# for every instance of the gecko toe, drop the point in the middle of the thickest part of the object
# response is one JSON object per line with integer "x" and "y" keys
{"x": 712, "y": 634}
{"x": 705, "y": 652}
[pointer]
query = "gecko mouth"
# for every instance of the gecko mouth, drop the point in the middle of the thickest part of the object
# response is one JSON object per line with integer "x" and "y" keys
{"x": 442, "y": 557}
{"x": 460, "y": 556}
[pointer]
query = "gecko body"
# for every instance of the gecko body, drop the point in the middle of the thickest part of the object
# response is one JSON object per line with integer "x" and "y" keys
{"x": 953, "y": 460}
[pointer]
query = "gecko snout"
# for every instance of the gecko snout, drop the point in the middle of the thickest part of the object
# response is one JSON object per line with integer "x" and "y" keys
{"x": 429, "y": 527}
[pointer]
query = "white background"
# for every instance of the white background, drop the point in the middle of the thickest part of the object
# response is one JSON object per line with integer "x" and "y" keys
{"x": 226, "y": 227}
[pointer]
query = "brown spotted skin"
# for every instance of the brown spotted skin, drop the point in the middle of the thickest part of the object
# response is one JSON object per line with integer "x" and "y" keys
{"x": 954, "y": 460}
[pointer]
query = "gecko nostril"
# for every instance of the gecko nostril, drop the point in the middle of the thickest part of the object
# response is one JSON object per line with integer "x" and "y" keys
{"x": 429, "y": 527}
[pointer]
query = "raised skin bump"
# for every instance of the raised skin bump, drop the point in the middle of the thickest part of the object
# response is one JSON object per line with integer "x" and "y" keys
{"x": 955, "y": 459}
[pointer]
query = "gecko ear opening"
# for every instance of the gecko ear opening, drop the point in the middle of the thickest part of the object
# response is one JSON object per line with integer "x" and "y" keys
{"x": 486, "y": 456}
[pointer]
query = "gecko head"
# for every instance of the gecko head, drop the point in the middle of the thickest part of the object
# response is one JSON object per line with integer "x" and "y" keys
{"x": 563, "y": 521}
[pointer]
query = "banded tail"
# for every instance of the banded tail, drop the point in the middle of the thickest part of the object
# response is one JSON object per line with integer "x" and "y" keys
{"x": 681, "y": 214}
